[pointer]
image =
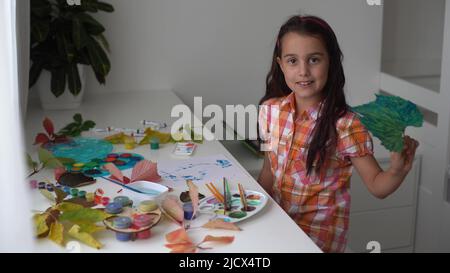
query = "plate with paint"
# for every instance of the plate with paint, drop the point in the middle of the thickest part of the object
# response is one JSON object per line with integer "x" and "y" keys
{"x": 255, "y": 202}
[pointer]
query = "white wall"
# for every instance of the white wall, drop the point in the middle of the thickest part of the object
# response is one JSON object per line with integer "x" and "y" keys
{"x": 221, "y": 49}
{"x": 413, "y": 31}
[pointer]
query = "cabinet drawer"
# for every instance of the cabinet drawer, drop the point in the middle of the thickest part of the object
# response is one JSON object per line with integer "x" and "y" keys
{"x": 392, "y": 228}
{"x": 405, "y": 195}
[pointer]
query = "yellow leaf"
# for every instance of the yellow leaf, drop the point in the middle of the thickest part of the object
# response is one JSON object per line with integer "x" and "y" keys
{"x": 149, "y": 134}
{"x": 84, "y": 237}
{"x": 115, "y": 139}
{"x": 40, "y": 223}
{"x": 220, "y": 239}
{"x": 67, "y": 206}
{"x": 90, "y": 227}
{"x": 48, "y": 195}
{"x": 57, "y": 233}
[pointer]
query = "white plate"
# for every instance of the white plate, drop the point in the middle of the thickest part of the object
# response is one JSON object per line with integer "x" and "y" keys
{"x": 150, "y": 191}
{"x": 209, "y": 205}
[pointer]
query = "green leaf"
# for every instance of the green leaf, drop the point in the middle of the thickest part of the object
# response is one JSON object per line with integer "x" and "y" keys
{"x": 92, "y": 26}
{"x": 65, "y": 48}
{"x": 44, "y": 155}
{"x": 88, "y": 124}
{"x": 35, "y": 72}
{"x": 73, "y": 78}
{"x": 78, "y": 118}
{"x": 84, "y": 215}
{"x": 40, "y": 29}
{"x": 58, "y": 84}
{"x": 79, "y": 34}
{"x": 40, "y": 8}
{"x": 99, "y": 61}
{"x": 66, "y": 161}
{"x": 31, "y": 164}
{"x": 67, "y": 206}
{"x": 53, "y": 164}
{"x": 387, "y": 118}
{"x": 102, "y": 40}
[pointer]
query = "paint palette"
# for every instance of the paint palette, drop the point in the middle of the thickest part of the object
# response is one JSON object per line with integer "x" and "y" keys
{"x": 80, "y": 149}
{"x": 255, "y": 203}
{"x": 93, "y": 168}
{"x": 131, "y": 213}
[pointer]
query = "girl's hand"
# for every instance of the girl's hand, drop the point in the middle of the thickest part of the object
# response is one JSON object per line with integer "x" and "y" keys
{"x": 401, "y": 163}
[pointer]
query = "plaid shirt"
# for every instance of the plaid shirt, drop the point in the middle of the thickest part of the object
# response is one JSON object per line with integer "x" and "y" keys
{"x": 319, "y": 204}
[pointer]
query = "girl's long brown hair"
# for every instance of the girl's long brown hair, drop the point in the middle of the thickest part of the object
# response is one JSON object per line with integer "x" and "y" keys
{"x": 334, "y": 106}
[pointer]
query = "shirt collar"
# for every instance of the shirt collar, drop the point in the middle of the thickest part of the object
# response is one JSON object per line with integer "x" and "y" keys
{"x": 288, "y": 104}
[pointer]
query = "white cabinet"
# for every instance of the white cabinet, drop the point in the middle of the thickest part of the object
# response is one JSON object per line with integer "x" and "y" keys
{"x": 390, "y": 221}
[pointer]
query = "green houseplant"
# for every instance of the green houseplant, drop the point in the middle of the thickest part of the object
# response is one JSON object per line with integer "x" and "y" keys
{"x": 64, "y": 36}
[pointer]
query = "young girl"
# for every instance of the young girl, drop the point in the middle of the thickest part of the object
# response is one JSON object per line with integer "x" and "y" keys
{"x": 314, "y": 139}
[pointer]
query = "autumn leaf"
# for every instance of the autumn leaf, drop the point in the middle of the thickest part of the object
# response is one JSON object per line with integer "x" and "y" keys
{"x": 48, "y": 159}
{"x": 218, "y": 239}
{"x": 40, "y": 223}
{"x": 221, "y": 224}
{"x": 149, "y": 134}
{"x": 193, "y": 194}
{"x": 48, "y": 126}
{"x": 30, "y": 163}
{"x": 172, "y": 209}
{"x": 84, "y": 215}
{"x": 387, "y": 118}
{"x": 182, "y": 248}
{"x": 115, "y": 139}
{"x": 50, "y": 196}
{"x": 84, "y": 237}
{"x": 66, "y": 206}
{"x": 178, "y": 236}
{"x": 60, "y": 195}
{"x": 57, "y": 233}
{"x": 90, "y": 227}
{"x": 179, "y": 242}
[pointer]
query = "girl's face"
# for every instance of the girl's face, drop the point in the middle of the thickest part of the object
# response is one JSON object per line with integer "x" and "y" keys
{"x": 304, "y": 61}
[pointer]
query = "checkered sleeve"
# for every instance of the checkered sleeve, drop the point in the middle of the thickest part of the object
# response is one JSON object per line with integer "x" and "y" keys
{"x": 354, "y": 140}
{"x": 263, "y": 123}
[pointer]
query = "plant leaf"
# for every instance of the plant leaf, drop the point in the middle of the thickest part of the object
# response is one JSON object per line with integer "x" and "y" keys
{"x": 193, "y": 194}
{"x": 48, "y": 195}
{"x": 221, "y": 224}
{"x": 84, "y": 237}
{"x": 387, "y": 117}
{"x": 40, "y": 223}
{"x": 57, "y": 233}
{"x": 48, "y": 126}
{"x": 178, "y": 236}
{"x": 53, "y": 163}
{"x": 67, "y": 206}
{"x": 79, "y": 34}
{"x": 58, "y": 81}
{"x": 30, "y": 163}
{"x": 73, "y": 78}
{"x": 172, "y": 209}
{"x": 218, "y": 239}
{"x": 78, "y": 118}
{"x": 90, "y": 227}
{"x": 41, "y": 138}
{"x": 88, "y": 124}
{"x": 84, "y": 215}
{"x": 182, "y": 248}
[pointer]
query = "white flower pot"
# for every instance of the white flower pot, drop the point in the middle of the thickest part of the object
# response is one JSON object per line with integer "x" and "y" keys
{"x": 67, "y": 100}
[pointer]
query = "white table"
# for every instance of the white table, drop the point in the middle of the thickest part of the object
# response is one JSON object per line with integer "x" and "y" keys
{"x": 271, "y": 230}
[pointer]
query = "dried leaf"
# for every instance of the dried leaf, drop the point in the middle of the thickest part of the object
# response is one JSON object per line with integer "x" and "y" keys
{"x": 114, "y": 171}
{"x": 81, "y": 201}
{"x": 57, "y": 233}
{"x": 115, "y": 139}
{"x": 53, "y": 163}
{"x": 48, "y": 126}
{"x": 84, "y": 237}
{"x": 193, "y": 194}
{"x": 221, "y": 224}
{"x": 218, "y": 239}
{"x": 60, "y": 195}
{"x": 84, "y": 215}
{"x": 40, "y": 223}
{"x": 90, "y": 227}
{"x": 47, "y": 158}
{"x": 30, "y": 163}
{"x": 145, "y": 170}
{"x": 173, "y": 210}
{"x": 149, "y": 134}
{"x": 178, "y": 236}
{"x": 182, "y": 248}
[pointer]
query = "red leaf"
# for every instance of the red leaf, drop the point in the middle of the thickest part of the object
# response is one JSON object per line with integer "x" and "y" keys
{"x": 178, "y": 236}
{"x": 221, "y": 224}
{"x": 41, "y": 138}
{"x": 48, "y": 126}
{"x": 182, "y": 248}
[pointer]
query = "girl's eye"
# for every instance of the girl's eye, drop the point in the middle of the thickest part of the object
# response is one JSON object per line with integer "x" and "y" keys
{"x": 292, "y": 61}
{"x": 314, "y": 60}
